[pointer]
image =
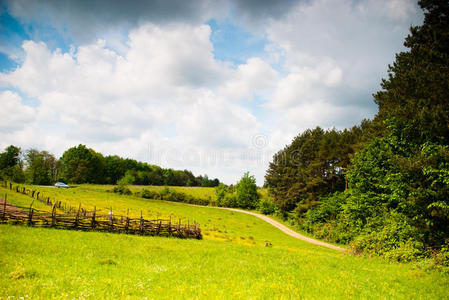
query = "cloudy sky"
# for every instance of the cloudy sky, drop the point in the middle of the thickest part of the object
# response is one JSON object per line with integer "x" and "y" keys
{"x": 216, "y": 87}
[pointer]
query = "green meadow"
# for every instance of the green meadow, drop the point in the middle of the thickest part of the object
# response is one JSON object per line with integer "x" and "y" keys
{"x": 230, "y": 262}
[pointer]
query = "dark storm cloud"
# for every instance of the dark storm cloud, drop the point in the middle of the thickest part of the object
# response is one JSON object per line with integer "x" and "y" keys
{"x": 86, "y": 19}
{"x": 262, "y": 9}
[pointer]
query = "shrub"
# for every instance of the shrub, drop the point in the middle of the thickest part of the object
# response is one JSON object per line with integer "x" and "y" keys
{"x": 390, "y": 235}
{"x": 122, "y": 190}
{"x": 230, "y": 200}
{"x": 266, "y": 206}
{"x": 441, "y": 258}
{"x": 246, "y": 188}
{"x": 328, "y": 209}
{"x": 147, "y": 194}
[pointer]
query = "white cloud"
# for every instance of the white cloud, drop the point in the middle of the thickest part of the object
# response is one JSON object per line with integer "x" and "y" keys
{"x": 254, "y": 77}
{"x": 333, "y": 55}
{"x": 14, "y": 116}
{"x": 166, "y": 90}
{"x": 158, "y": 84}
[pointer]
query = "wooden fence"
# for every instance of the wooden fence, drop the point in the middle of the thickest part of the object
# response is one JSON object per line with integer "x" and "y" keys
{"x": 82, "y": 219}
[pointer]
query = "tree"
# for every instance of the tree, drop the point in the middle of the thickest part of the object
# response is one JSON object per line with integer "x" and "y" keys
{"x": 82, "y": 165}
{"x": 11, "y": 165}
{"x": 41, "y": 167}
{"x": 246, "y": 189}
{"x": 415, "y": 95}
{"x": 405, "y": 173}
{"x": 313, "y": 165}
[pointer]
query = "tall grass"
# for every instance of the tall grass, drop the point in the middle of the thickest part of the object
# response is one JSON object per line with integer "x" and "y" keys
{"x": 46, "y": 263}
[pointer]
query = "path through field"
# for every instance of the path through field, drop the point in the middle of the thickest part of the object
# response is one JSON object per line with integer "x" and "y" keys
{"x": 11, "y": 209}
{"x": 286, "y": 229}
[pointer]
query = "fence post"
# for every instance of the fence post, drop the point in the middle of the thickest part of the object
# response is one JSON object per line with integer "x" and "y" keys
{"x": 169, "y": 226}
{"x": 111, "y": 217}
{"x": 30, "y": 215}
{"x": 159, "y": 227}
{"x": 77, "y": 216}
{"x": 141, "y": 222}
{"x": 127, "y": 221}
{"x": 93, "y": 218}
{"x": 188, "y": 228}
{"x": 4, "y": 207}
{"x": 53, "y": 216}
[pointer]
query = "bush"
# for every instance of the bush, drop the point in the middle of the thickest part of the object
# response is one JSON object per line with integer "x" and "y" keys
{"x": 441, "y": 258}
{"x": 147, "y": 194}
{"x": 246, "y": 188}
{"x": 122, "y": 190}
{"x": 328, "y": 209}
{"x": 266, "y": 206}
{"x": 230, "y": 200}
{"x": 391, "y": 236}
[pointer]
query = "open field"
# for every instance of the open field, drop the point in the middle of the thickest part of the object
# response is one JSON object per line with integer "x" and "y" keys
{"x": 198, "y": 192}
{"x": 231, "y": 261}
{"x": 216, "y": 224}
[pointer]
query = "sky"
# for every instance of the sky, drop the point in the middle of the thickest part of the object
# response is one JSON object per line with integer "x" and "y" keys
{"x": 215, "y": 87}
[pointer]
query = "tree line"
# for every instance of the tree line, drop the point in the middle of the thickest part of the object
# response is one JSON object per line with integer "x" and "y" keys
{"x": 381, "y": 186}
{"x": 84, "y": 165}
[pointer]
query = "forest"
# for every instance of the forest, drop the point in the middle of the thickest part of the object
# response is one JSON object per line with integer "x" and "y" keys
{"x": 84, "y": 165}
{"x": 382, "y": 186}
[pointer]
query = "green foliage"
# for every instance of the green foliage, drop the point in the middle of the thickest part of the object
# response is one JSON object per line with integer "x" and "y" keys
{"x": 246, "y": 190}
{"x": 397, "y": 202}
{"x": 82, "y": 165}
{"x": 266, "y": 206}
{"x": 220, "y": 193}
{"x": 415, "y": 93}
{"x": 170, "y": 194}
{"x": 122, "y": 190}
{"x": 11, "y": 165}
{"x": 42, "y": 167}
{"x": 329, "y": 208}
{"x": 127, "y": 179}
{"x": 391, "y": 235}
{"x": 441, "y": 257}
{"x": 313, "y": 165}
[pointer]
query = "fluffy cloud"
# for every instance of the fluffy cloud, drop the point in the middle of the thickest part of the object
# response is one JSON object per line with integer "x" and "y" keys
{"x": 167, "y": 91}
{"x": 254, "y": 77}
{"x": 142, "y": 80}
{"x": 14, "y": 116}
{"x": 333, "y": 55}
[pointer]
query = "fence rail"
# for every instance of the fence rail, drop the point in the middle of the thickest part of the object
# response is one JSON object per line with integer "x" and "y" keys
{"x": 82, "y": 219}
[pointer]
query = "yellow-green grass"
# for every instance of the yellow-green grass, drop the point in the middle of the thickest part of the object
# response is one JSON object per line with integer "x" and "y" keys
{"x": 198, "y": 192}
{"x": 21, "y": 200}
{"x": 231, "y": 261}
{"x": 58, "y": 264}
{"x": 215, "y": 223}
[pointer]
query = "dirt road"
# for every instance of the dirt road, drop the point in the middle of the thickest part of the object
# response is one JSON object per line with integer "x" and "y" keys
{"x": 286, "y": 229}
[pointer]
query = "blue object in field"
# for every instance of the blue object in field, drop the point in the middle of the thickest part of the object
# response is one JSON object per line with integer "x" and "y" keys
{"x": 61, "y": 185}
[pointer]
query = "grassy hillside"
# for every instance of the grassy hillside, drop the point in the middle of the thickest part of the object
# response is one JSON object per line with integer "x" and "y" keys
{"x": 231, "y": 261}
{"x": 199, "y": 192}
{"x": 216, "y": 224}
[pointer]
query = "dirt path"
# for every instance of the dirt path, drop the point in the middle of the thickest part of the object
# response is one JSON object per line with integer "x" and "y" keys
{"x": 286, "y": 229}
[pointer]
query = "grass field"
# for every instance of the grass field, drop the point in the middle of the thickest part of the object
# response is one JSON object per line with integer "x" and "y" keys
{"x": 198, "y": 192}
{"x": 231, "y": 261}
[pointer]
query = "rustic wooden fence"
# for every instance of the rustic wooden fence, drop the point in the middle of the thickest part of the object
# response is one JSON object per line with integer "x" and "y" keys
{"x": 82, "y": 219}
{"x": 39, "y": 196}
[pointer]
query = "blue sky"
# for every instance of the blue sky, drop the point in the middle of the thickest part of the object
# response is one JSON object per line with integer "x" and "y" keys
{"x": 214, "y": 87}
